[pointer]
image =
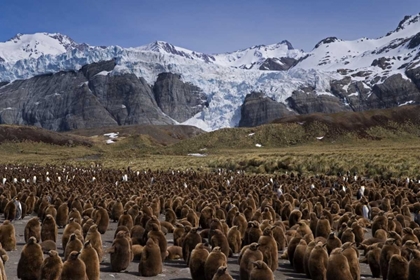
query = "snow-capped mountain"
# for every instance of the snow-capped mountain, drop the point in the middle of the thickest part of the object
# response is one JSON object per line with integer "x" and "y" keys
{"x": 346, "y": 74}
{"x": 27, "y": 46}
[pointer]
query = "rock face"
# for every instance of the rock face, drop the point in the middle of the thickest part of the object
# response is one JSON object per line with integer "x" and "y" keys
{"x": 309, "y": 102}
{"x": 177, "y": 99}
{"x": 275, "y": 64}
{"x": 258, "y": 109}
{"x": 84, "y": 99}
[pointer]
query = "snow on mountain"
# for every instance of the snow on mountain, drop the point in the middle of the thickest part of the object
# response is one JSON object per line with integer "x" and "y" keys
{"x": 332, "y": 54}
{"x": 225, "y": 78}
{"x": 26, "y": 46}
{"x": 253, "y": 57}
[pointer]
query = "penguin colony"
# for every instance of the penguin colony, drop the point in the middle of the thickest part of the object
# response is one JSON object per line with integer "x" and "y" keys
{"x": 316, "y": 224}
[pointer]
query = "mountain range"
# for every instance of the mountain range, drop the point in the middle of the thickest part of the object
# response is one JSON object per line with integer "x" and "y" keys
{"x": 49, "y": 80}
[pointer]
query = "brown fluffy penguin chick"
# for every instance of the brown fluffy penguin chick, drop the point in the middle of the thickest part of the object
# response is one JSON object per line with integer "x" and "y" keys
{"x": 299, "y": 256}
{"x": 174, "y": 253}
{"x": 197, "y": 261}
{"x": 373, "y": 257}
{"x": 126, "y": 220}
{"x": 101, "y": 218}
{"x": 234, "y": 239}
{"x": 414, "y": 266}
{"x": 333, "y": 242}
{"x": 62, "y": 215}
{"x": 3, "y": 254}
{"x": 31, "y": 259}
{"x": 218, "y": 239}
{"x": 398, "y": 268}
{"x": 95, "y": 238}
{"x": 215, "y": 260}
{"x": 74, "y": 268}
{"x": 33, "y": 228}
{"x": 251, "y": 255}
{"x": 117, "y": 210}
{"x": 70, "y": 228}
{"x": 90, "y": 257}
{"x": 338, "y": 266}
{"x": 268, "y": 246}
{"x": 159, "y": 238}
{"x": 151, "y": 261}
{"x": 308, "y": 250}
{"x": 7, "y": 236}
{"x": 74, "y": 244}
{"x": 49, "y": 229}
{"x": 389, "y": 249}
{"x": 261, "y": 271}
{"x": 52, "y": 266}
{"x": 191, "y": 240}
{"x": 120, "y": 252}
{"x": 3, "y": 275}
{"x": 318, "y": 262}
{"x": 222, "y": 274}
{"x": 352, "y": 256}
{"x": 323, "y": 228}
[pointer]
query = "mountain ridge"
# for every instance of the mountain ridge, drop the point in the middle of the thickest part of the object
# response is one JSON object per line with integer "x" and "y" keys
{"x": 336, "y": 75}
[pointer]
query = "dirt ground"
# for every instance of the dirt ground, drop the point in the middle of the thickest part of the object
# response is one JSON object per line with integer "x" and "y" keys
{"x": 171, "y": 270}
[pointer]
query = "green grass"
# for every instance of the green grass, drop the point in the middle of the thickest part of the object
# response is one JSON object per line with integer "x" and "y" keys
{"x": 287, "y": 147}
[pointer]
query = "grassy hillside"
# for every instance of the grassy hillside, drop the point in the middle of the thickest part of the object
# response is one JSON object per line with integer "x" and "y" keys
{"x": 381, "y": 142}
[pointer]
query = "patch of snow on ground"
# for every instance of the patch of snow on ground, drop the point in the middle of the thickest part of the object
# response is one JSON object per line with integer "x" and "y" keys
{"x": 197, "y": 155}
{"x": 406, "y": 103}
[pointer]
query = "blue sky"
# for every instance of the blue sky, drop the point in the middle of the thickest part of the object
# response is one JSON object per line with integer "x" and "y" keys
{"x": 210, "y": 26}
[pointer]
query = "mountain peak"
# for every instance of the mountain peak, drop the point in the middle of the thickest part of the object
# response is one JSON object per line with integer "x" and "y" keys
{"x": 288, "y": 44}
{"x": 405, "y": 22}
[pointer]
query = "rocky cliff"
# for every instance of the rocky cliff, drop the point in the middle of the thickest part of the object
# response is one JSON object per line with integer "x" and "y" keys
{"x": 92, "y": 97}
{"x": 259, "y": 109}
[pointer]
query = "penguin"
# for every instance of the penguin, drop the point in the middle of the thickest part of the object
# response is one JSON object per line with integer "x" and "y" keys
{"x": 318, "y": 262}
{"x": 159, "y": 238}
{"x": 222, "y": 274}
{"x": 74, "y": 268}
{"x": 414, "y": 265}
{"x": 52, "y": 266}
{"x": 174, "y": 253}
{"x": 219, "y": 239}
{"x": 373, "y": 257}
{"x": 101, "y": 218}
{"x": 151, "y": 261}
{"x": 49, "y": 229}
{"x": 70, "y": 228}
{"x": 197, "y": 261}
{"x": 298, "y": 256}
{"x": 261, "y": 271}
{"x": 268, "y": 246}
{"x": 3, "y": 275}
{"x": 249, "y": 256}
{"x": 30, "y": 262}
{"x": 352, "y": 256}
{"x": 62, "y": 215}
{"x": 398, "y": 268}
{"x": 234, "y": 239}
{"x": 95, "y": 240}
{"x": 120, "y": 252}
{"x": 7, "y": 236}
{"x": 90, "y": 257}
{"x": 388, "y": 250}
{"x": 74, "y": 244}
{"x": 338, "y": 266}
{"x": 191, "y": 240}
{"x": 215, "y": 260}
{"x": 33, "y": 228}
{"x": 332, "y": 242}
